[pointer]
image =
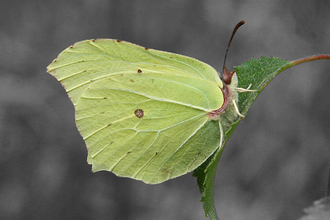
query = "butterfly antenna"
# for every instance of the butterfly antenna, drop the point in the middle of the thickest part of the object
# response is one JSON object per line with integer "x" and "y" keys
{"x": 226, "y": 74}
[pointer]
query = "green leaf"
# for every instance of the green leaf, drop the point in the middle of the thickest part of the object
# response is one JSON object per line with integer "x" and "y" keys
{"x": 205, "y": 177}
{"x": 258, "y": 72}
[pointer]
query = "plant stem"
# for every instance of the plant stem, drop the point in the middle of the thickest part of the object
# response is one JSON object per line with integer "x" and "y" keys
{"x": 312, "y": 58}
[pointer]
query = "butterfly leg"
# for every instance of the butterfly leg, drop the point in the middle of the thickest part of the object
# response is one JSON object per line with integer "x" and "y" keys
{"x": 247, "y": 89}
{"x": 237, "y": 110}
{"x": 242, "y": 90}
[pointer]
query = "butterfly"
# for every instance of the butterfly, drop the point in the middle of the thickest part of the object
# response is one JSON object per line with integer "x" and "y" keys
{"x": 146, "y": 114}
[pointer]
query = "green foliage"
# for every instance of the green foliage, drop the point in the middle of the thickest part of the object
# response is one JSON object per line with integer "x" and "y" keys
{"x": 258, "y": 72}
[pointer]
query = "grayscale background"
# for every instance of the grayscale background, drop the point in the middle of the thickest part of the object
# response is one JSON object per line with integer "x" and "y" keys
{"x": 274, "y": 165}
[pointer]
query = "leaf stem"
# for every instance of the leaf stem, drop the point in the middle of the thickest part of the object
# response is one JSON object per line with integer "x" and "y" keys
{"x": 312, "y": 58}
{"x": 304, "y": 60}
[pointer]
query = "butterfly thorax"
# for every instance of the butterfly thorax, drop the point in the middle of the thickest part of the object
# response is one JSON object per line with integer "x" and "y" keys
{"x": 227, "y": 113}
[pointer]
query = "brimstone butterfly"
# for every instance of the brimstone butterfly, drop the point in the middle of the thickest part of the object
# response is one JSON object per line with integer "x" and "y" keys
{"x": 145, "y": 114}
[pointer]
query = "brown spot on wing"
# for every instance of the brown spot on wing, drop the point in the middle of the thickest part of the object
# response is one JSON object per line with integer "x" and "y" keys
{"x": 139, "y": 113}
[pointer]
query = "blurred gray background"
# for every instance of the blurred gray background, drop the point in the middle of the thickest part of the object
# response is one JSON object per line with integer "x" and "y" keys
{"x": 275, "y": 164}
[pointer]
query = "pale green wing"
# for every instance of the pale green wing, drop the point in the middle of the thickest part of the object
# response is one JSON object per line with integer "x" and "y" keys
{"x": 92, "y": 60}
{"x": 141, "y": 112}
